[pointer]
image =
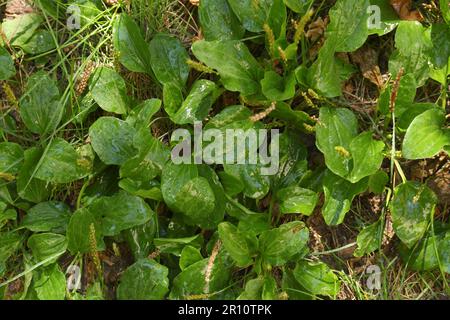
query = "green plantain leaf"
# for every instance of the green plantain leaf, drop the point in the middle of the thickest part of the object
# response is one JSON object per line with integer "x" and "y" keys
{"x": 20, "y": 29}
{"x": 169, "y": 60}
{"x": 348, "y": 25}
{"x": 426, "y": 136}
{"x": 198, "y": 103}
{"x": 50, "y": 284}
{"x": 63, "y": 164}
{"x": 218, "y": 21}
{"x": 240, "y": 246}
{"x": 294, "y": 199}
{"x": 317, "y": 278}
{"x": 339, "y": 194}
{"x": 336, "y": 129}
{"x": 109, "y": 90}
{"x": 144, "y": 280}
{"x": 119, "y": 212}
{"x": 47, "y": 245}
{"x": 28, "y": 186}
{"x": 252, "y": 14}
{"x": 50, "y": 216}
{"x": 80, "y": 232}
{"x": 369, "y": 239}
{"x": 40, "y": 108}
{"x": 241, "y": 73}
{"x": 282, "y": 244}
{"x": 278, "y": 88}
{"x": 299, "y": 6}
{"x": 112, "y": 140}
{"x": 130, "y": 45}
{"x": 413, "y": 43}
{"x": 411, "y": 211}
{"x": 192, "y": 280}
{"x": 367, "y": 155}
{"x": 41, "y": 41}
{"x": 7, "y": 68}
{"x": 11, "y": 157}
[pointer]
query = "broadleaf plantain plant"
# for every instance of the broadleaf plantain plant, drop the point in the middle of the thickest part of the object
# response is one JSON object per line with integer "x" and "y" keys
{"x": 212, "y": 230}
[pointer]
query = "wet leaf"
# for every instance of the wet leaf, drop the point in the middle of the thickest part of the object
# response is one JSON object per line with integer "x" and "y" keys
{"x": 144, "y": 280}
{"x": 218, "y": 21}
{"x": 252, "y": 14}
{"x": 317, "y": 278}
{"x": 411, "y": 211}
{"x": 240, "y": 246}
{"x": 132, "y": 49}
{"x": 11, "y": 157}
{"x": 119, "y": 212}
{"x": 47, "y": 245}
{"x": 241, "y": 73}
{"x": 63, "y": 164}
{"x": 112, "y": 140}
{"x": 50, "y": 216}
{"x": 198, "y": 103}
{"x": 109, "y": 90}
{"x": 50, "y": 284}
{"x": 40, "y": 108}
{"x": 282, "y": 244}
{"x": 7, "y": 68}
{"x": 297, "y": 200}
{"x": 339, "y": 194}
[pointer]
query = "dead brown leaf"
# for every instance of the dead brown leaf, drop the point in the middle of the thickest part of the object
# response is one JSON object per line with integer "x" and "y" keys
{"x": 16, "y": 8}
{"x": 367, "y": 60}
{"x": 403, "y": 9}
{"x": 316, "y": 29}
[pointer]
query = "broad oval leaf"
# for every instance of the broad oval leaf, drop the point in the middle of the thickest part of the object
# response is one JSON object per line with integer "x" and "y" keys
{"x": 192, "y": 281}
{"x": 119, "y": 212}
{"x": 369, "y": 239}
{"x": 317, "y": 278}
{"x": 196, "y": 201}
{"x": 189, "y": 256}
{"x": 335, "y": 132}
{"x": 61, "y": 163}
{"x": 282, "y": 244}
{"x": 144, "y": 280}
{"x": 169, "y": 60}
{"x": 50, "y": 216}
{"x": 218, "y": 21}
{"x": 240, "y": 246}
{"x": 426, "y": 136}
{"x": 339, "y": 194}
{"x": 47, "y": 245}
{"x": 112, "y": 140}
{"x": 130, "y": 45}
{"x": 19, "y": 30}
{"x": 367, "y": 156}
{"x": 28, "y": 186}
{"x": 7, "y": 68}
{"x": 11, "y": 158}
{"x": 411, "y": 211}
{"x": 198, "y": 103}
{"x": 413, "y": 43}
{"x": 241, "y": 73}
{"x": 252, "y": 14}
{"x": 348, "y": 24}
{"x": 294, "y": 199}
{"x": 109, "y": 90}
{"x": 50, "y": 284}
{"x": 278, "y": 88}
{"x": 40, "y": 108}
{"x": 81, "y": 230}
